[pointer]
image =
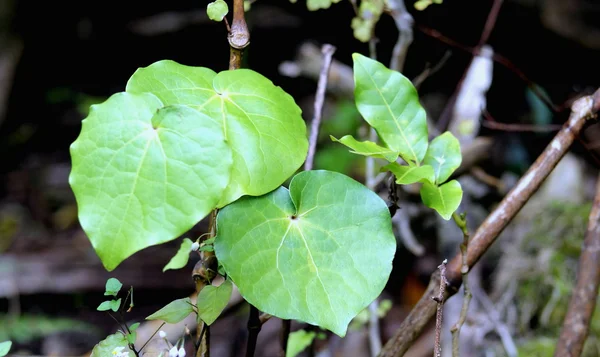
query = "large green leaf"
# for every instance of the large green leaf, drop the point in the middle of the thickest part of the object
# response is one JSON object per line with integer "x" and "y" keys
{"x": 212, "y": 300}
{"x": 262, "y": 124}
{"x": 443, "y": 154}
{"x": 144, "y": 173}
{"x": 445, "y": 199}
{"x": 406, "y": 175}
{"x": 367, "y": 148}
{"x": 111, "y": 346}
{"x": 318, "y": 253}
{"x": 389, "y": 103}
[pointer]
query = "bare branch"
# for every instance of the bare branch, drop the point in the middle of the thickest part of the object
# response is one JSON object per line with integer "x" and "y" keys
{"x": 461, "y": 222}
{"x": 327, "y": 51}
{"x": 439, "y": 299}
{"x": 581, "y": 307}
{"x": 404, "y": 22}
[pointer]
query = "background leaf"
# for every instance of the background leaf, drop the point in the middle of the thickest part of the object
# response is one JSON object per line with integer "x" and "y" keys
{"x": 367, "y": 148}
{"x": 298, "y": 341}
{"x": 443, "y": 154}
{"x": 406, "y": 175}
{"x": 181, "y": 257}
{"x": 389, "y": 103}
{"x": 212, "y": 300}
{"x": 313, "y": 5}
{"x": 261, "y": 123}
{"x": 217, "y": 10}
{"x": 318, "y": 253}
{"x": 143, "y": 173}
{"x": 445, "y": 199}
{"x": 106, "y": 347}
{"x": 174, "y": 312}
{"x": 5, "y": 348}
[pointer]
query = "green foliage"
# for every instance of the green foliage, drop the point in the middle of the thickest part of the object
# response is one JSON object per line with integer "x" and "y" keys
{"x": 298, "y": 341}
{"x": 424, "y": 4}
{"x": 181, "y": 257}
{"x": 217, "y": 10}
{"x": 151, "y": 162}
{"x": 111, "y": 344}
{"x": 5, "y": 348}
{"x": 319, "y": 252}
{"x": 25, "y": 328}
{"x": 113, "y": 305}
{"x": 389, "y": 103}
{"x": 174, "y": 312}
{"x": 367, "y": 148}
{"x": 443, "y": 154}
{"x": 368, "y": 15}
{"x": 314, "y": 5}
{"x": 113, "y": 286}
{"x": 212, "y": 300}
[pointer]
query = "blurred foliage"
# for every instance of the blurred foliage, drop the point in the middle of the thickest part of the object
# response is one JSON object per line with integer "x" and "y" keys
{"x": 26, "y": 328}
{"x": 542, "y": 297}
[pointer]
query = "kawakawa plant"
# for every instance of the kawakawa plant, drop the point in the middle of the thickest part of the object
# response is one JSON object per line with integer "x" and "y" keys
{"x": 182, "y": 141}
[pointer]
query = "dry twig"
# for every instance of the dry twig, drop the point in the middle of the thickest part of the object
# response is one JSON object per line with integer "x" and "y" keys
{"x": 583, "y": 301}
{"x": 461, "y": 222}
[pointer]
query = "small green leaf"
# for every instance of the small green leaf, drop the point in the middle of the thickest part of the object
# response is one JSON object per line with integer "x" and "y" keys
{"x": 389, "y": 103}
{"x": 5, "y": 348}
{"x": 115, "y": 304}
{"x": 424, "y": 4}
{"x": 313, "y": 5}
{"x": 445, "y": 199}
{"x": 217, "y": 10}
{"x": 207, "y": 248}
{"x": 116, "y": 342}
{"x": 298, "y": 341}
{"x": 367, "y": 148}
{"x": 104, "y": 306}
{"x": 113, "y": 286}
{"x": 144, "y": 173}
{"x": 134, "y": 326}
{"x": 181, "y": 258}
{"x": 174, "y": 312}
{"x": 326, "y": 243}
{"x": 443, "y": 154}
{"x": 131, "y": 337}
{"x": 212, "y": 300}
{"x": 368, "y": 15}
{"x": 405, "y": 175}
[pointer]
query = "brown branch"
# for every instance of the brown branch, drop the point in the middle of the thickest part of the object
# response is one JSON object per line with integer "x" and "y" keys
{"x": 439, "y": 299}
{"x": 583, "y": 301}
{"x": 239, "y": 36}
{"x": 327, "y": 51}
{"x": 582, "y": 110}
{"x": 286, "y": 326}
{"x": 461, "y": 222}
{"x": 254, "y": 326}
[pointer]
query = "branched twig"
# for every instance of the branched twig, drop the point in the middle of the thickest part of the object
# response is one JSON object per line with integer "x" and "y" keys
{"x": 404, "y": 22}
{"x": 581, "y": 307}
{"x": 327, "y": 51}
{"x": 582, "y": 110}
{"x": 461, "y": 222}
{"x": 487, "y": 30}
{"x": 439, "y": 299}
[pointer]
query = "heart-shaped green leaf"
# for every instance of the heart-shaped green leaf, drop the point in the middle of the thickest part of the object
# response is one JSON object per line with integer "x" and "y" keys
{"x": 318, "y": 253}
{"x": 367, "y": 148}
{"x": 389, "y": 103}
{"x": 212, "y": 300}
{"x": 443, "y": 154}
{"x": 445, "y": 199}
{"x": 217, "y": 10}
{"x": 174, "y": 311}
{"x": 144, "y": 173}
{"x": 262, "y": 124}
{"x": 405, "y": 175}
{"x": 181, "y": 257}
{"x": 113, "y": 285}
{"x": 112, "y": 345}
